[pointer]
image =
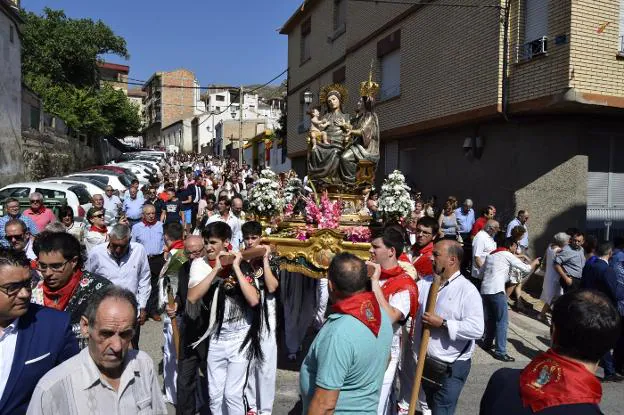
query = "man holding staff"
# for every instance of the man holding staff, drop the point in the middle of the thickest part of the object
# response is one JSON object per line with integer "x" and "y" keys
{"x": 455, "y": 325}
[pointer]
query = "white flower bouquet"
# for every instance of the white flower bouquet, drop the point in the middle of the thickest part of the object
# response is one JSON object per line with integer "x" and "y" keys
{"x": 395, "y": 203}
{"x": 265, "y": 198}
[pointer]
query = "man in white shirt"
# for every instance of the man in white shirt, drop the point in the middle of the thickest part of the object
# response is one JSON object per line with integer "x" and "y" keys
{"x": 225, "y": 215}
{"x": 112, "y": 202}
{"x": 106, "y": 377}
{"x": 482, "y": 244}
{"x": 455, "y": 325}
{"x": 125, "y": 264}
{"x": 495, "y": 273}
{"x": 520, "y": 220}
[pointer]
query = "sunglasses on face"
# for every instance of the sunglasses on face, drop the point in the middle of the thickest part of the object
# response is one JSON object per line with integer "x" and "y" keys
{"x": 12, "y": 289}
{"x": 18, "y": 238}
{"x": 32, "y": 202}
{"x": 100, "y": 215}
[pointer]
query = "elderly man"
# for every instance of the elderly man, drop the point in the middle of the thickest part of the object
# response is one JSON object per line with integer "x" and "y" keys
{"x": 569, "y": 262}
{"x": 38, "y": 213}
{"x": 149, "y": 233}
{"x": 237, "y": 208}
{"x": 12, "y": 210}
{"x": 520, "y": 220}
{"x": 455, "y": 326}
{"x": 482, "y": 244}
{"x": 33, "y": 339}
{"x": 345, "y": 366}
{"x": 110, "y": 216}
{"x": 465, "y": 219}
{"x": 112, "y": 202}
{"x": 132, "y": 206}
{"x": 125, "y": 264}
{"x": 106, "y": 377}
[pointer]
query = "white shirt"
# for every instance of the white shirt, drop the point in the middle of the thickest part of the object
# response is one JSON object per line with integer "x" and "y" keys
{"x": 112, "y": 204}
{"x": 482, "y": 245}
{"x": 401, "y": 302}
{"x": 8, "y": 341}
{"x": 495, "y": 271}
{"x": 524, "y": 242}
{"x": 235, "y": 225}
{"x": 131, "y": 272}
{"x": 93, "y": 239}
{"x": 460, "y": 304}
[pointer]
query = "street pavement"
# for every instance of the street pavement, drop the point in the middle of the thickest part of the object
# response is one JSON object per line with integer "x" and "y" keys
{"x": 526, "y": 337}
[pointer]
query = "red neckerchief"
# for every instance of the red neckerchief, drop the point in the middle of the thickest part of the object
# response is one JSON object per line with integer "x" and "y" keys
{"x": 63, "y": 294}
{"x": 364, "y": 307}
{"x": 398, "y": 280}
{"x": 499, "y": 250}
{"x": 404, "y": 258}
{"x": 179, "y": 244}
{"x": 146, "y": 223}
{"x": 552, "y": 380}
{"x": 100, "y": 230}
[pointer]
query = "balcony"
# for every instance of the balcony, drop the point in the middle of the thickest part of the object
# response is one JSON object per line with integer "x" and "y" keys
{"x": 532, "y": 49}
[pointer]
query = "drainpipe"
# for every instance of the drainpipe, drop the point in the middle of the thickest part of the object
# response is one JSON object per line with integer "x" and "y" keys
{"x": 505, "y": 83}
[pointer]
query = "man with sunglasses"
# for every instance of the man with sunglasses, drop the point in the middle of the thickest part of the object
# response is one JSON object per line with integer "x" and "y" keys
{"x": 39, "y": 214}
{"x": 124, "y": 263}
{"x": 17, "y": 235}
{"x": 33, "y": 339}
{"x": 12, "y": 210}
{"x": 64, "y": 285}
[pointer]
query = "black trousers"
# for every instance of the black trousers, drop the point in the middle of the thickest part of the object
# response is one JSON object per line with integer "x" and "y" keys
{"x": 190, "y": 362}
{"x": 156, "y": 262}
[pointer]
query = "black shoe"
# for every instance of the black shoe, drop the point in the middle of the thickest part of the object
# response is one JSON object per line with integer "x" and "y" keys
{"x": 612, "y": 378}
{"x": 503, "y": 357}
{"x": 488, "y": 347}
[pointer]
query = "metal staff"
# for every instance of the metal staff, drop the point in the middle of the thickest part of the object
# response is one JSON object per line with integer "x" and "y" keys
{"x": 174, "y": 324}
{"x": 424, "y": 344}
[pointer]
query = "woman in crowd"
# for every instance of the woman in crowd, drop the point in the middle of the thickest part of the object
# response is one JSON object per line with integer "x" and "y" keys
{"x": 448, "y": 222}
{"x": 516, "y": 276}
{"x": 551, "y": 289}
{"x": 97, "y": 232}
{"x": 76, "y": 229}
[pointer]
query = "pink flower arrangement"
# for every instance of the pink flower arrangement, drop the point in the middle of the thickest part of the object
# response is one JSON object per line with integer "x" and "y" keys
{"x": 326, "y": 214}
{"x": 288, "y": 210}
{"x": 357, "y": 234}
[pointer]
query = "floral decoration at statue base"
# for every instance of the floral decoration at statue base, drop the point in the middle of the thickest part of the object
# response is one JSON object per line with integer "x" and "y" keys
{"x": 265, "y": 198}
{"x": 395, "y": 204}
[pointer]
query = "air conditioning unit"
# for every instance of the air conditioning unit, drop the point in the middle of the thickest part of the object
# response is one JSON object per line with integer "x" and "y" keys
{"x": 534, "y": 48}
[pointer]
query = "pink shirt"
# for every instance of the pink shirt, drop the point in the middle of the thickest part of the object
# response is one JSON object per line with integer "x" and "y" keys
{"x": 42, "y": 218}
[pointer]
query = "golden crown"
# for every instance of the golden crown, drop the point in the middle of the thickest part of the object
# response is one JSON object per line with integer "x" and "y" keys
{"x": 369, "y": 88}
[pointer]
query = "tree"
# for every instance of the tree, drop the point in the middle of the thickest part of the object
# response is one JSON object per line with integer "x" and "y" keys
{"x": 59, "y": 63}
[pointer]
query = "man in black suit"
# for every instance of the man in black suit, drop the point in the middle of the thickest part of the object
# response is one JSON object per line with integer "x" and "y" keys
{"x": 33, "y": 339}
{"x": 192, "y": 326}
{"x": 197, "y": 191}
{"x": 561, "y": 381}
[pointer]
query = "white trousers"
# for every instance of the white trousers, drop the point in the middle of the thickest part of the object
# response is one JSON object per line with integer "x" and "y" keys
{"x": 260, "y": 389}
{"x": 227, "y": 370}
{"x": 387, "y": 400}
{"x": 323, "y": 297}
{"x": 170, "y": 365}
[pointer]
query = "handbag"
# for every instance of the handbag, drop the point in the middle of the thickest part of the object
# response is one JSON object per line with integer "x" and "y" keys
{"x": 435, "y": 371}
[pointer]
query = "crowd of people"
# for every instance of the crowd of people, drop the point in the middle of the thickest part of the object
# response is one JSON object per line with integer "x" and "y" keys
{"x": 184, "y": 251}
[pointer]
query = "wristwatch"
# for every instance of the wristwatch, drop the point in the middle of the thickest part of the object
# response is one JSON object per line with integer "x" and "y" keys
{"x": 444, "y": 325}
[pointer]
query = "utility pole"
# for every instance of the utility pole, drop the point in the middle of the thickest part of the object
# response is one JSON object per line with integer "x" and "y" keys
{"x": 240, "y": 129}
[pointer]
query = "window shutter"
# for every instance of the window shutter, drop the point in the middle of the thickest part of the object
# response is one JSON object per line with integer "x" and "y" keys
{"x": 535, "y": 20}
{"x": 597, "y": 189}
{"x": 390, "y": 75}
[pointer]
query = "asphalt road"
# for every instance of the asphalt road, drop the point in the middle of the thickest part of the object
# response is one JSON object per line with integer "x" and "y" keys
{"x": 526, "y": 338}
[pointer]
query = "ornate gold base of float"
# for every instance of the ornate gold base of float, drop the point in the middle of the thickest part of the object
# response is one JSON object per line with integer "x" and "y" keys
{"x": 313, "y": 256}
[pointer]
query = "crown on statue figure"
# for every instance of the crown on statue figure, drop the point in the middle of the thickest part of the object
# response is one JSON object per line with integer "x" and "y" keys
{"x": 369, "y": 88}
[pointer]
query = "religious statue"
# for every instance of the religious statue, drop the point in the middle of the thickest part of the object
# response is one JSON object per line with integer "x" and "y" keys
{"x": 342, "y": 146}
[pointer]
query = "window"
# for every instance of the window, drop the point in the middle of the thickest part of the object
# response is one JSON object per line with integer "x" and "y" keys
{"x": 50, "y": 193}
{"x": 306, "y": 29}
{"x": 340, "y": 14}
{"x": 339, "y": 75}
{"x": 220, "y": 98}
{"x": 389, "y": 55}
{"x": 81, "y": 192}
{"x": 535, "y": 28}
{"x": 217, "y": 108}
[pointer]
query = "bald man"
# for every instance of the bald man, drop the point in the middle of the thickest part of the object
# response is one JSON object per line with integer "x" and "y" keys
{"x": 191, "y": 328}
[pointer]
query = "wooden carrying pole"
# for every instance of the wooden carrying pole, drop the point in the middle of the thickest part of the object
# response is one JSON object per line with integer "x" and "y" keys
{"x": 424, "y": 344}
{"x": 174, "y": 324}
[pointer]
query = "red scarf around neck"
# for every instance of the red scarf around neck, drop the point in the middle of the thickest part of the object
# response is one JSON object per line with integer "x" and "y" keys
{"x": 362, "y": 306}
{"x": 60, "y": 298}
{"x": 179, "y": 244}
{"x": 148, "y": 224}
{"x": 99, "y": 230}
{"x": 398, "y": 280}
{"x": 552, "y": 380}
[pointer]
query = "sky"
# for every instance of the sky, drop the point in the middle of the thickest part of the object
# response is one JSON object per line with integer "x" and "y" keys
{"x": 230, "y": 42}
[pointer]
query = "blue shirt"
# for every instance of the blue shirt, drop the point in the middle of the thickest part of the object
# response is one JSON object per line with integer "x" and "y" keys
{"x": 151, "y": 237}
{"x": 32, "y": 228}
{"x": 133, "y": 208}
{"x": 465, "y": 221}
{"x": 346, "y": 356}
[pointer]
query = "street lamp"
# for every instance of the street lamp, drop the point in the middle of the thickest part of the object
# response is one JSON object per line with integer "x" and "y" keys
{"x": 307, "y": 97}
{"x": 233, "y": 112}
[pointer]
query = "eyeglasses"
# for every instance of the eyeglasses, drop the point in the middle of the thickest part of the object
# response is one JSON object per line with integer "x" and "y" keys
{"x": 35, "y": 201}
{"x": 100, "y": 215}
{"x": 14, "y": 288}
{"x": 18, "y": 238}
{"x": 54, "y": 267}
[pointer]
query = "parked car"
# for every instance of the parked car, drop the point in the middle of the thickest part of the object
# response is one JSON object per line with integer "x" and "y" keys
{"x": 138, "y": 170}
{"x": 118, "y": 183}
{"x": 116, "y": 169}
{"x": 76, "y": 195}
{"x": 92, "y": 186}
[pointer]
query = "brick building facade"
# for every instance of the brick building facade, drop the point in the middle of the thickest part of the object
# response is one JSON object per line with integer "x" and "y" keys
{"x": 520, "y": 107}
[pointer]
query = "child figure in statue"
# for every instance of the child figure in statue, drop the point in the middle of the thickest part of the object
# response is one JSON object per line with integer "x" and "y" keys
{"x": 316, "y": 127}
